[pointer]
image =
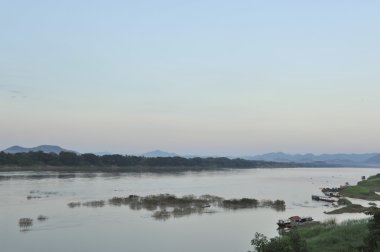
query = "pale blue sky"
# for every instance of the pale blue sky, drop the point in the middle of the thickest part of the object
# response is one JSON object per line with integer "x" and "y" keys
{"x": 192, "y": 77}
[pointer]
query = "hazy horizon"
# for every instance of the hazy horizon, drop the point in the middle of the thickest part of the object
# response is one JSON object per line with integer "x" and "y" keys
{"x": 197, "y": 154}
{"x": 199, "y": 77}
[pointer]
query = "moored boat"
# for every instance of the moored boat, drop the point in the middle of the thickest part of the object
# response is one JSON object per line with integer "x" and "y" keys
{"x": 322, "y": 198}
{"x": 294, "y": 221}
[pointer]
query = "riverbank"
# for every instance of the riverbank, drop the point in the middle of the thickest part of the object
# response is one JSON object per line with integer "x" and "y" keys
{"x": 108, "y": 169}
{"x": 365, "y": 189}
{"x": 141, "y": 168}
{"x": 327, "y": 237}
{"x": 73, "y": 162}
{"x": 330, "y": 236}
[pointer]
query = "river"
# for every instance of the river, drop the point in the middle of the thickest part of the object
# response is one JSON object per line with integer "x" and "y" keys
{"x": 112, "y": 228}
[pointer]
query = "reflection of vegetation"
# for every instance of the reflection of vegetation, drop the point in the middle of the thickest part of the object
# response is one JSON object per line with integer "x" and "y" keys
{"x": 70, "y": 161}
{"x": 36, "y": 194}
{"x": 25, "y": 223}
{"x": 161, "y": 215}
{"x": 95, "y": 203}
{"x": 278, "y": 205}
{"x": 2, "y": 177}
{"x": 29, "y": 197}
{"x": 42, "y": 217}
{"x": 242, "y": 203}
{"x": 327, "y": 237}
{"x": 168, "y": 205}
{"x": 365, "y": 189}
{"x": 74, "y": 204}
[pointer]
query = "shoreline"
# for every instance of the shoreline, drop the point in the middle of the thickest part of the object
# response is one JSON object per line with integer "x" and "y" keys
{"x": 153, "y": 169}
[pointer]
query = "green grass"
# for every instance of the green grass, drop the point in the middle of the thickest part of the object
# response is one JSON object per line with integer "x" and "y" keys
{"x": 352, "y": 208}
{"x": 347, "y": 236}
{"x": 364, "y": 189}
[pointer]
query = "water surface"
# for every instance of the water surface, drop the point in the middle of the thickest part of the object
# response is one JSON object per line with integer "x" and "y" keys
{"x": 112, "y": 228}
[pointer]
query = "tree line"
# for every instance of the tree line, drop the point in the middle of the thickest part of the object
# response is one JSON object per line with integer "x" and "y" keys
{"x": 73, "y": 159}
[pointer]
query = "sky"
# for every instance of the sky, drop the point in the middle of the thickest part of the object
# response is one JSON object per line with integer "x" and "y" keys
{"x": 192, "y": 77}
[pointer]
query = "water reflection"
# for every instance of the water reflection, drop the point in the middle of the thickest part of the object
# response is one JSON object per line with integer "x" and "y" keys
{"x": 74, "y": 204}
{"x": 50, "y": 175}
{"x": 128, "y": 230}
{"x": 95, "y": 203}
{"x": 36, "y": 194}
{"x": 42, "y": 217}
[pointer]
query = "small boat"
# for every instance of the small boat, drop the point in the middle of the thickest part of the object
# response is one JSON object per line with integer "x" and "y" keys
{"x": 322, "y": 198}
{"x": 293, "y": 221}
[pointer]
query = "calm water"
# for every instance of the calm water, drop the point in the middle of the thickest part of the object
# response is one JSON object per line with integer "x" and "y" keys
{"x": 121, "y": 229}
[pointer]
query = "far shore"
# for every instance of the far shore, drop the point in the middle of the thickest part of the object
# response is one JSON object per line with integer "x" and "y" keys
{"x": 142, "y": 169}
{"x": 111, "y": 169}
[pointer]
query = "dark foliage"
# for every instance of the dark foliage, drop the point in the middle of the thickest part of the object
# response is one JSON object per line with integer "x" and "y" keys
{"x": 71, "y": 159}
{"x": 373, "y": 239}
{"x": 291, "y": 242}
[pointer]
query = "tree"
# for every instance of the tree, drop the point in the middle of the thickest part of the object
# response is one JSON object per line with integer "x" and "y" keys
{"x": 90, "y": 159}
{"x": 290, "y": 242}
{"x": 259, "y": 242}
{"x": 68, "y": 158}
{"x": 373, "y": 239}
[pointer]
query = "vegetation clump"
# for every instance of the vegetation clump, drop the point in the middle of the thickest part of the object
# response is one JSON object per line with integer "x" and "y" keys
{"x": 168, "y": 205}
{"x": 25, "y": 223}
{"x": 29, "y": 197}
{"x": 42, "y": 217}
{"x": 344, "y": 202}
{"x": 74, "y": 204}
{"x": 36, "y": 194}
{"x": 95, "y": 203}
{"x": 240, "y": 203}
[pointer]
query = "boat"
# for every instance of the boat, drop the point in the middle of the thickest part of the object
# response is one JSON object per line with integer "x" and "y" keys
{"x": 294, "y": 221}
{"x": 322, "y": 198}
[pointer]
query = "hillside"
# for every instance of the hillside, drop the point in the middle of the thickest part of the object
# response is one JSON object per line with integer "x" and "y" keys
{"x": 43, "y": 148}
{"x": 337, "y": 159}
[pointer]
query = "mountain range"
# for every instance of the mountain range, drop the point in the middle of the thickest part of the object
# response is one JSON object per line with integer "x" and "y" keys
{"x": 337, "y": 159}
{"x": 159, "y": 153}
{"x": 43, "y": 148}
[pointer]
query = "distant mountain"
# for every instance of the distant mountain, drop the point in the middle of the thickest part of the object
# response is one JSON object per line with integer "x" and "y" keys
{"x": 43, "y": 148}
{"x": 374, "y": 159}
{"x": 159, "y": 153}
{"x": 102, "y": 153}
{"x": 338, "y": 159}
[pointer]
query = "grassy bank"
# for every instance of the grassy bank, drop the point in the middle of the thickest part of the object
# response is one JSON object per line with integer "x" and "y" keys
{"x": 348, "y": 236}
{"x": 327, "y": 237}
{"x": 352, "y": 208}
{"x": 364, "y": 189}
